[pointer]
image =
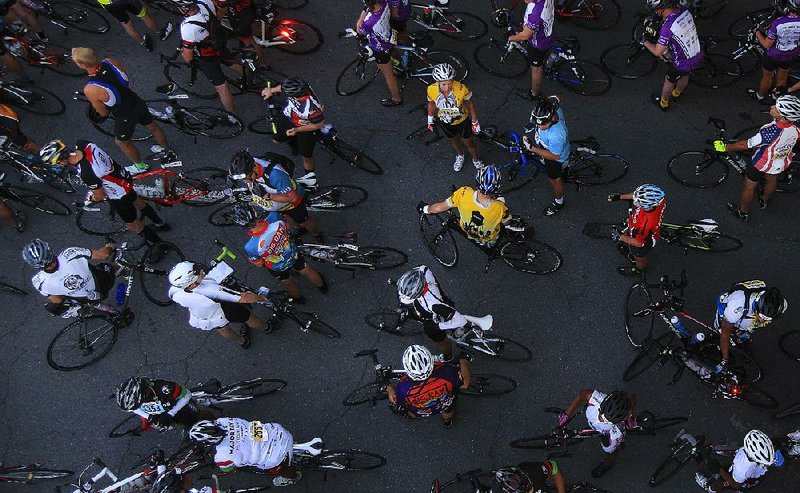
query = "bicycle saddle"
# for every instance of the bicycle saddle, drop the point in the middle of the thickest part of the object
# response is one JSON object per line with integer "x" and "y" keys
{"x": 421, "y": 39}
{"x": 707, "y": 225}
{"x": 311, "y": 447}
{"x": 485, "y": 323}
{"x": 209, "y": 387}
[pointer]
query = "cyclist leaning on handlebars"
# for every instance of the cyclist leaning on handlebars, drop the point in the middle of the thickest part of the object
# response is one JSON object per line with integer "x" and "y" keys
{"x": 750, "y": 463}
{"x": 643, "y": 227}
{"x": 159, "y": 403}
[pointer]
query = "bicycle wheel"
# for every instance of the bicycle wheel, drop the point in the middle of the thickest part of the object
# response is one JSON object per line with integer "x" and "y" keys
{"x": 749, "y": 60}
{"x": 594, "y": 15}
{"x": 211, "y": 122}
{"x": 100, "y": 219}
{"x": 36, "y": 200}
{"x": 31, "y": 474}
{"x": 250, "y": 389}
{"x": 546, "y": 442}
{"x": 106, "y": 127}
{"x": 421, "y": 64}
{"x": 498, "y": 346}
{"x": 351, "y": 155}
{"x": 489, "y": 384}
{"x": 438, "y": 237}
{"x": 744, "y": 26}
{"x": 307, "y": 38}
{"x": 740, "y": 362}
{"x": 334, "y": 197}
{"x": 374, "y": 258}
{"x": 638, "y": 322}
{"x": 190, "y": 79}
{"x": 389, "y": 321}
{"x": 355, "y": 77}
{"x": 260, "y": 126}
{"x": 291, "y": 4}
{"x": 201, "y": 187}
{"x": 717, "y": 71}
{"x": 345, "y": 460}
{"x": 223, "y": 217}
{"x": 494, "y": 57}
{"x": 55, "y": 177}
{"x": 697, "y": 169}
{"x": 789, "y": 411}
{"x": 157, "y": 262}
{"x": 531, "y": 256}
{"x": 371, "y": 392}
{"x": 671, "y": 465}
{"x": 131, "y": 425}
{"x": 470, "y": 482}
{"x": 654, "y": 424}
{"x": 789, "y": 344}
{"x": 600, "y": 230}
{"x": 311, "y": 321}
{"x": 76, "y": 15}
{"x": 598, "y": 169}
{"x": 188, "y": 458}
{"x": 32, "y": 99}
{"x": 756, "y": 397}
{"x": 628, "y": 61}
{"x": 710, "y": 242}
{"x": 54, "y": 57}
{"x": 81, "y": 343}
{"x": 11, "y": 289}
{"x": 582, "y": 77}
{"x": 460, "y": 25}
{"x": 649, "y": 354}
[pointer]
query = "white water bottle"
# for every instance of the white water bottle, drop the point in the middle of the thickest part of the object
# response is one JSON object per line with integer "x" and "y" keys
{"x": 697, "y": 338}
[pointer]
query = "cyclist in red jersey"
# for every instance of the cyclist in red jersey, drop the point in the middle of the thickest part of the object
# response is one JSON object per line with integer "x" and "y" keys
{"x": 643, "y": 227}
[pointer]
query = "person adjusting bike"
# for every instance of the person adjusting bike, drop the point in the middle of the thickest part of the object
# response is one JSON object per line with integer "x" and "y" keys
{"x": 303, "y": 116}
{"x": 782, "y": 44}
{"x": 551, "y": 145}
{"x": 159, "y": 403}
{"x": 212, "y": 305}
{"x": 480, "y": 215}
{"x": 240, "y": 443}
{"x": 678, "y": 35}
{"x": 643, "y": 226}
{"x": 121, "y": 10}
{"x": 69, "y": 279}
{"x": 750, "y": 463}
{"x": 537, "y": 30}
{"x": 428, "y": 388}
{"x": 772, "y": 154}
{"x": 745, "y": 307}
{"x": 606, "y": 414}
{"x": 374, "y": 23}
{"x": 449, "y": 105}
{"x": 529, "y": 477}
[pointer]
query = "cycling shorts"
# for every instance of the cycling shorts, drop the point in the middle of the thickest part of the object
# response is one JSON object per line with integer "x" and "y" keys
{"x": 553, "y": 168}
{"x": 398, "y": 25}
{"x": 126, "y": 119}
{"x": 212, "y": 69}
{"x": 302, "y": 143}
{"x": 643, "y": 250}
{"x": 463, "y": 129}
{"x": 299, "y": 214}
{"x": 771, "y": 64}
{"x": 119, "y": 9}
{"x": 298, "y": 265}
{"x": 536, "y": 57}
{"x": 673, "y": 74}
{"x": 381, "y": 57}
{"x": 124, "y": 207}
{"x": 433, "y": 331}
{"x": 104, "y": 278}
{"x": 237, "y": 313}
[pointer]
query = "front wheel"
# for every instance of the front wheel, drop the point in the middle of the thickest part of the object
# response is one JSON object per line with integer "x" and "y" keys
{"x": 99, "y": 219}
{"x": 756, "y": 397}
{"x": 189, "y": 78}
{"x": 594, "y": 15}
{"x": 56, "y": 58}
{"x": 495, "y": 58}
{"x": 598, "y": 169}
{"x": 681, "y": 454}
{"x": 375, "y": 258}
{"x": 355, "y": 77}
{"x": 648, "y": 355}
{"x": 639, "y": 319}
{"x": 628, "y": 61}
{"x": 421, "y": 64}
{"x": 702, "y": 241}
{"x": 306, "y": 38}
{"x": 372, "y": 392}
{"x": 489, "y": 384}
{"x": 697, "y": 169}
{"x": 157, "y": 262}
{"x": 37, "y": 200}
{"x": 79, "y": 17}
{"x": 582, "y": 77}
{"x": 130, "y": 426}
{"x": 334, "y": 197}
{"x": 351, "y": 155}
{"x": 201, "y": 187}
{"x": 345, "y": 460}
{"x": 250, "y": 389}
{"x": 438, "y": 237}
{"x": 31, "y": 474}
{"x": 82, "y": 343}
{"x": 531, "y": 256}
{"x": 460, "y": 25}
{"x": 106, "y": 127}
{"x": 717, "y": 71}
{"x": 789, "y": 411}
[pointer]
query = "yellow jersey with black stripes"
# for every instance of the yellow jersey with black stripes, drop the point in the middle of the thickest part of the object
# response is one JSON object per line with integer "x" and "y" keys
{"x": 481, "y": 223}
{"x": 450, "y": 108}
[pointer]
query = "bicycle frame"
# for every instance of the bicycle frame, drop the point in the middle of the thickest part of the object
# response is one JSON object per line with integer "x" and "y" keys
{"x": 427, "y": 16}
{"x": 87, "y": 485}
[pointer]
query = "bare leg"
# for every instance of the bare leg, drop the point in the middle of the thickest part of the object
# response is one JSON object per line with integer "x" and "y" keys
{"x": 781, "y": 79}
{"x": 230, "y": 334}
{"x": 641, "y": 262}
{"x": 292, "y": 289}
{"x": 558, "y": 187}
{"x": 766, "y": 82}
{"x": 158, "y": 134}
{"x": 132, "y": 32}
{"x": 391, "y": 80}
{"x": 313, "y": 276}
{"x": 312, "y": 226}
{"x": 309, "y": 164}
{"x": 13, "y": 63}
{"x": 256, "y": 322}
{"x": 537, "y": 77}
{"x": 455, "y": 142}
{"x": 130, "y": 150}
{"x": 150, "y": 22}
{"x": 770, "y": 185}
{"x": 28, "y": 16}
{"x": 682, "y": 83}
{"x": 226, "y": 98}
{"x": 8, "y": 215}
{"x": 748, "y": 192}
{"x": 472, "y": 148}
{"x": 666, "y": 89}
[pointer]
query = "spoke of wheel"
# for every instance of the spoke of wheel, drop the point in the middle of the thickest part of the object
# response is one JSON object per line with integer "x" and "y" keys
{"x": 697, "y": 169}
{"x": 81, "y": 343}
{"x": 531, "y": 256}
{"x": 599, "y": 169}
{"x": 251, "y": 389}
{"x": 494, "y": 58}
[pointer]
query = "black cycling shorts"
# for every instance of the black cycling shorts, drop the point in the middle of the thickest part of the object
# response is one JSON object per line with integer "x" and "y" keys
{"x": 237, "y": 313}
{"x": 462, "y": 129}
{"x": 302, "y": 143}
{"x": 298, "y": 214}
{"x": 536, "y": 57}
{"x": 104, "y": 278}
{"x": 124, "y": 207}
{"x": 771, "y": 64}
{"x": 753, "y": 174}
{"x": 398, "y": 25}
{"x": 298, "y": 265}
{"x": 188, "y": 414}
{"x": 119, "y": 9}
{"x": 554, "y": 168}
{"x": 673, "y": 74}
{"x": 126, "y": 119}
{"x": 212, "y": 69}
{"x": 433, "y": 331}
{"x": 381, "y": 57}
{"x": 643, "y": 250}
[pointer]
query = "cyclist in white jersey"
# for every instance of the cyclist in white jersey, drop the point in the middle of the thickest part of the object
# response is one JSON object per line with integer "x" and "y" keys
{"x": 751, "y": 462}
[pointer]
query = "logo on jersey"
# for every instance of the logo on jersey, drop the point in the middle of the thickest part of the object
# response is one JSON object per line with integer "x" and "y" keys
{"x": 165, "y": 390}
{"x": 74, "y": 282}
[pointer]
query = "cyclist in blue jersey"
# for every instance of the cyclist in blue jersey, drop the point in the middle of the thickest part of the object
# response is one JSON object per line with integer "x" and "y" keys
{"x": 551, "y": 145}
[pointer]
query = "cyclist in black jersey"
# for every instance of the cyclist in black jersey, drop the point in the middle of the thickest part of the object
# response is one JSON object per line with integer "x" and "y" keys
{"x": 160, "y": 403}
{"x": 529, "y": 477}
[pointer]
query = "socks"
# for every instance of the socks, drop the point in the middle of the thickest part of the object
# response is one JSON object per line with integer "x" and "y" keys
{"x": 676, "y": 94}
{"x": 559, "y": 200}
{"x": 664, "y": 102}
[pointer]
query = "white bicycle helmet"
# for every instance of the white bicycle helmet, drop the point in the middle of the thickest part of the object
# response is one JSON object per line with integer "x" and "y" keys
{"x": 206, "y": 431}
{"x": 443, "y": 72}
{"x": 659, "y": 4}
{"x": 788, "y": 107}
{"x": 647, "y": 196}
{"x": 411, "y": 284}
{"x": 184, "y": 274}
{"x": 129, "y": 393}
{"x": 759, "y": 448}
{"x": 418, "y": 362}
{"x": 38, "y": 254}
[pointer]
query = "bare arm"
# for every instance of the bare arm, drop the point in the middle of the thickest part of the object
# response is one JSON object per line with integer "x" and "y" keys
{"x": 561, "y": 485}
{"x": 54, "y": 298}
{"x": 392, "y": 394}
{"x": 523, "y": 35}
{"x": 248, "y": 297}
{"x": 187, "y": 55}
{"x": 764, "y": 40}
{"x": 103, "y": 252}
{"x": 582, "y": 398}
{"x": 654, "y": 48}
{"x": 96, "y": 97}
{"x": 725, "y": 340}
{"x": 439, "y": 207}
{"x": 466, "y": 373}
{"x": 360, "y": 20}
{"x": 471, "y": 109}
{"x": 739, "y": 145}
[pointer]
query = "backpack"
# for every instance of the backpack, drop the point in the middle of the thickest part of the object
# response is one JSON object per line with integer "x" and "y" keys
{"x": 749, "y": 288}
{"x": 277, "y": 159}
{"x": 215, "y": 40}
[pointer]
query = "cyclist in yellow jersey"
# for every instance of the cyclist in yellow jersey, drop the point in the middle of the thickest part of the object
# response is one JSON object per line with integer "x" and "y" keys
{"x": 480, "y": 215}
{"x": 449, "y": 105}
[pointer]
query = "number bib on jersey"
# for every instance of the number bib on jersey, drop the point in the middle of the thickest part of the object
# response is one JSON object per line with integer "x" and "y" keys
{"x": 152, "y": 408}
{"x": 257, "y": 431}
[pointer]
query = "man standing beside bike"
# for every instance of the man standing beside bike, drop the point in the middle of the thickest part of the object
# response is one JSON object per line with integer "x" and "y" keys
{"x": 782, "y": 45}
{"x": 537, "y": 30}
{"x": 643, "y": 227}
{"x": 374, "y": 24}
{"x": 551, "y": 145}
{"x": 159, "y": 403}
{"x": 750, "y": 464}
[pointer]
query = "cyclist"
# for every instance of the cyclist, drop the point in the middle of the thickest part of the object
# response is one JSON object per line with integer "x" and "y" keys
{"x": 270, "y": 245}
{"x": 782, "y": 44}
{"x": 121, "y": 10}
{"x": 537, "y": 30}
{"x": 241, "y": 15}
{"x": 772, "y": 154}
{"x": 401, "y": 11}
{"x": 214, "y": 306}
{"x": 750, "y": 464}
{"x": 745, "y": 307}
{"x": 159, "y": 403}
{"x": 303, "y": 118}
{"x": 529, "y": 477}
{"x": 70, "y": 276}
{"x": 241, "y": 443}
{"x": 107, "y": 180}
{"x": 109, "y": 92}
{"x": 449, "y": 105}
{"x": 551, "y": 145}
{"x": 643, "y": 227}
{"x": 606, "y": 414}
{"x": 678, "y": 35}
{"x": 10, "y": 129}
{"x": 481, "y": 216}
{"x": 428, "y": 388}
{"x": 15, "y": 219}
{"x": 374, "y": 24}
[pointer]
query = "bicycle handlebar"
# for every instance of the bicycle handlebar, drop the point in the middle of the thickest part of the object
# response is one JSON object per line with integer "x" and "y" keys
{"x": 719, "y": 123}
{"x": 226, "y": 252}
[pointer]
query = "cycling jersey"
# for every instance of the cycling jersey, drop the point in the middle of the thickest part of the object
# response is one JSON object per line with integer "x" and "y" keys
{"x": 481, "y": 223}
{"x": 279, "y": 182}
{"x": 450, "y": 108}
{"x": 432, "y": 305}
{"x": 205, "y": 311}
{"x": 679, "y": 33}
{"x": 252, "y": 443}
{"x": 271, "y": 244}
{"x": 9, "y": 126}
{"x": 646, "y": 225}
{"x": 731, "y": 309}
{"x": 114, "y": 81}
{"x": 377, "y": 29}
{"x": 538, "y": 472}
{"x": 540, "y": 16}
{"x": 555, "y": 138}
{"x": 197, "y": 30}
{"x": 167, "y": 397}
{"x": 73, "y": 277}
{"x": 742, "y": 469}
{"x": 99, "y": 170}
{"x": 304, "y": 110}
{"x": 773, "y": 146}
{"x": 614, "y": 432}
{"x": 434, "y": 395}
{"x": 785, "y": 31}
{"x": 403, "y": 8}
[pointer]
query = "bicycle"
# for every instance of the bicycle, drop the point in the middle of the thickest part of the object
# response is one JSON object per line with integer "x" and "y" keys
{"x": 31, "y": 474}
{"x": 349, "y": 256}
{"x": 209, "y": 395}
{"x": 480, "y": 481}
{"x": 313, "y": 456}
{"x": 592, "y": 15}
{"x": 558, "y": 441}
{"x": 288, "y": 35}
{"x": 476, "y": 337}
{"x": 688, "y": 448}
{"x": 508, "y": 59}
{"x": 416, "y": 62}
{"x": 30, "y": 98}
{"x": 37, "y": 53}
{"x": 94, "y": 331}
{"x": 457, "y": 25}
{"x": 518, "y": 249}
{"x": 8, "y": 288}
{"x": 33, "y": 170}
{"x": 66, "y": 14}
{"x": 789, "y": 344}
{"x": 481, "y": 385}
{"x": 744, "y": 26}
{"x": 33, "y": 199}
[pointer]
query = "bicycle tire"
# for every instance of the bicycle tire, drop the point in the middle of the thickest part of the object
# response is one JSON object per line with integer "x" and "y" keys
{"x": 697, "y": 169}
{"x": 544, "y": 442}
{"x": 334, "y": 197}
{"x": 743, "y": 26}
{"x": 582, "y": 77}
{"x": 351, "y": 80}
{"x": 195, "y": 83}
{"x": 504, "y": 348}
{"x": 599, "y": 16}
{"x": 374, "y": 258}
{"x": 493, "y": 57}
{"x": 370, "y": 392}
{"x": 11, "y": 289}
{"x": 660, "y": 424}
{"x": 260, "y": 126}
{"x": 250, "y": 389}
{"x": 58, "y": 180}
{"x": 103, "y": 221}
{"x": 31, "y": 474}
{"x": 598, "y": 169}
{"x": 32, "y": 99}
{"x": 312, "y": 322}
{"x": 438, "y": 238}
{"x": 35, "y": 200}
{"x": 749, "y": 60}
{"x": 131, "y": 425}
{"x": 470, "y": 482}
{"x": 214, "y": 123}
{"x": 747, "y": 369}
{"x": 648, "y": 355}
{"x": 309, "y": 37}
{"x": 709, "y": 242}
{"x": 55, "y": 58}
{"x": 628, "y": 61}
{"x": 190, "y": 457}
{"x": 76, "y": 15}
{"x": 106, "y": 127}
{"x": 453, "y": 25}
{"x": 345, "y": 460}
{"x": 106, "y": 327}
{"x": 351, "y": 155}
{"x": 291, "y": 4}
{"x": 531, "y": 256}
{"x": 421, "y": 65}
{"x": 489, "y": 385}
{"x": 789, "y": 344}
{"x": 670, "y": 466}
{"x": 717, "y": 71}
{"x": 389, "y": 321}
{"x": 201, "y": 187}
{"x": 156, "y": 264}
{"x": 638, "y": 328}
{"x": 756, "y": 397}
{"x": 789, "y": 411}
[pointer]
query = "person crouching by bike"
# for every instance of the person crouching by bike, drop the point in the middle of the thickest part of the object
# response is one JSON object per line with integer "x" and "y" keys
{"x": 213, "y": 306}
{"x": 374, "y": 23}
{"x": 750, "y": 463}
{"x": 551, "y": 144}
{"x": 69, "y": 277}
{"x": 606, "y": 414}
{"x": 529, "y": 477}
{"x": 303, "y": 117}
{"x": 428, "y": 388}
{"x": 643, "y": 226}
{"x": 159, "y": 403}
{"x": 537, "y": 30}
{"x": 449, "y": 105}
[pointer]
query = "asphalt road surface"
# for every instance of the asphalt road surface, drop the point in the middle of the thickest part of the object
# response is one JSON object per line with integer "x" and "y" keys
{"x": 572, "y": 319}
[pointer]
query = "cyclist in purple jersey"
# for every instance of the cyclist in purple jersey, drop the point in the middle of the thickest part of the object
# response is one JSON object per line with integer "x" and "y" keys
{"x": 374, "y": 23}
{"x": 537, "y": 30}
{"x": 678, "y": 35}
{"x": 401, "y": 11}
{"x": 782, "y": 44}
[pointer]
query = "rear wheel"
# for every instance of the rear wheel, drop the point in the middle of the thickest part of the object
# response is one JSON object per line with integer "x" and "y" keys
{"x": 749, "y": 60}
{"x": 307, "y": 38}
{"x": 628, "y": 61}
{"x": 674, "y": 463}
{"x": 600, "y": 230}
{"x": 697, "y": 169}
{"x": 376, "y": 258}
{"x": 531, "y": 256}
{"x": 421, "y": 64}
{"x": 638, "y": 319}
{"x": 744, "y": 26}
{"x": 489, "y": 384}
{"x": 649, "y": 354}
{"x": 251, "y": 389}
{"x": 334, "y": 197}
{"x": 438, "y": 237}
{"x": 31, "y": 474}
{"x": 157, "y": 262}
{"x": 261, "y": 126}
{"x": 469, "y": 483}
{"x": 389, "y": 321}
{"x": 190, "y": 79}
{"x": 594, "y": 15}
{"x": 79, "y": 17}
{"x": 201, "y": 187}
{"x": 36, "y": 200}
{"x": 756, "y": 397}
{"x": 710, "y": 8}
{"x": 211, "y": 122}
{"x": 598, "y": 169}
{"x": 499, "y": 347}
{"x": 582, "y": 77}
{"x": 345, "y": 460}
{"x": 32, "y": 99}
{"x": 352, "y": 155}
{"x": 717, "y": 71}
{"x": 355, "y": 77}
{"x": 223, "y": 217}
{"x": 81, "y": 343}
{"x": 106, "y": 127}
{"x": 371, "y": 392}
{"x": 99, "y": 219}
{"x": 789, "y": 411}
{"x": 460, "y": 25}
{"x": 494, "y": 58}
{"x": 711, "y": 242}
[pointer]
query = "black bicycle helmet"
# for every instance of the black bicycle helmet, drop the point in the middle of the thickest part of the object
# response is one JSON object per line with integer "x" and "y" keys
{"x": 241, "y": 165}
{"x": 544, "y": 110}
{"x": 771, "y": 303}
{"x": 511, "y": 480}
{"x": 243, "y": 215}
{"x": 295, "y": 87}
{"x": 615, "y": 407}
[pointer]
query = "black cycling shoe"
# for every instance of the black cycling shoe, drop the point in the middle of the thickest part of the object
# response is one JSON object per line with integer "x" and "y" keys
{"x": 20, "y": 226}
{"x": 148, "y": 42}
{"x": 600, "y": 470}
{"x": 272, "y": 324}
{"x": 245, "y": 333}
{"x": 448, "y": 423}
{"x": 389, "y": 102}
{"x": 733, "y": 209}
{"x": 162, "y": 226}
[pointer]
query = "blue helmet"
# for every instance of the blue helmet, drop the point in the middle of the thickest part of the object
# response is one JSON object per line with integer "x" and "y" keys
{"x": 488, "y": 179}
